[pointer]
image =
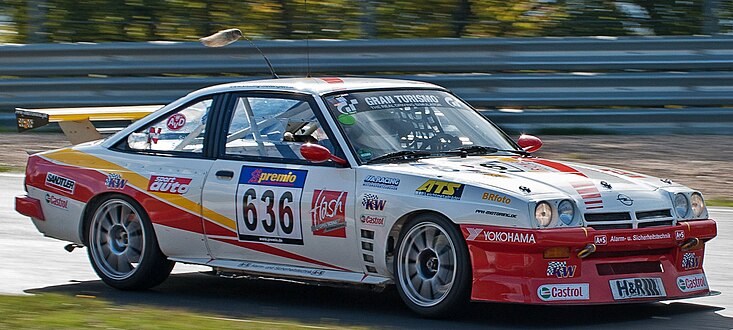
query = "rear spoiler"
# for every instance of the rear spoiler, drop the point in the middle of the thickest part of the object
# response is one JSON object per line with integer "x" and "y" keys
{"x": 77, "y": 122}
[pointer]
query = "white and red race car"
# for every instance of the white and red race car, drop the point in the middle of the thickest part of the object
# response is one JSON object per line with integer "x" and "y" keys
{"x": 364, "y": 181}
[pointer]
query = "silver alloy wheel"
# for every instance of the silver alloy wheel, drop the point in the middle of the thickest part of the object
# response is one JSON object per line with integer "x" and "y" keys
{"x": 427, "y": 268}
{"x": 117, "y": 239}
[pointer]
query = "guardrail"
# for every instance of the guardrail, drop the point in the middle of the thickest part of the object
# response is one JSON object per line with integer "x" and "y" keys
{"x": 606, "y": 73}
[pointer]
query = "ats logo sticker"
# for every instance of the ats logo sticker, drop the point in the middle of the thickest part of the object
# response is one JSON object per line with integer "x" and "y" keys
{"x": 266, "y": 176}
{"x": 60, "y": 182}
{"x": 169, "y": 184}
{"x": 328, "y": 212}
{"x": 560, "y": 269}
{"x": 56, "y": 201}
{"x": 440, "y": 189}
{"x": 679, "y": 235}
{"x": 115, "y": 181}
{"x": 372, "y": 202}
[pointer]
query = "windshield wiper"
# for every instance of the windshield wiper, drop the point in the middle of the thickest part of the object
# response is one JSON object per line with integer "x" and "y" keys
{"x": 475, "y": 150}
{"x": 401, "y": 155}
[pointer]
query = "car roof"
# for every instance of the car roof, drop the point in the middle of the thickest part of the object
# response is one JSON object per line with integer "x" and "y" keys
{"x": 317, "y": 86}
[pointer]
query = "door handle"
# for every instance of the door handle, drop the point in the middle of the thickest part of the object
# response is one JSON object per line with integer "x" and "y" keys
{"x": 225, "y": 174}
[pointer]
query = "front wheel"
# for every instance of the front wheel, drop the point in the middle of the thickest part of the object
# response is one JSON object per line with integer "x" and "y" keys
{"x": 122, "y": 246}
{"x": 432, "y": 267}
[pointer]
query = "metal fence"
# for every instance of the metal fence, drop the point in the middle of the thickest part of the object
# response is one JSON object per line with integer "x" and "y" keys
{"x": 679, "y": 80}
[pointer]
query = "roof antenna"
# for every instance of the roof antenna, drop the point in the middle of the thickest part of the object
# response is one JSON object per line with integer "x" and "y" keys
{"x": 307, "y": 39}
{"x": 228, "y": 36}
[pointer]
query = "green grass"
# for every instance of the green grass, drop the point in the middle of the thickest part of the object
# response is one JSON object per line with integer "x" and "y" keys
{"x": 719, "y": 202}
{"x": 83, "y": 312}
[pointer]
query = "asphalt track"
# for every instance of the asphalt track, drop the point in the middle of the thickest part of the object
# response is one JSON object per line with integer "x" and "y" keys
{"x": 31, "y": 263}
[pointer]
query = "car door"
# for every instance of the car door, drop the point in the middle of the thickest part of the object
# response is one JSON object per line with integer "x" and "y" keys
{"x": 167, "y": 162}
{"x": 263, "y": 202}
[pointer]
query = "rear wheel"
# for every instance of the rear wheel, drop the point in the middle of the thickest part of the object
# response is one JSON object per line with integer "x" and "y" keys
{"x": 122, "y": 246}
{"x": 432, "y": 267}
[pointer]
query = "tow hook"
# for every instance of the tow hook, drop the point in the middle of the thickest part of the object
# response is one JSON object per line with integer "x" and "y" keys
{"x": 72, "y": 246}
{"x": 690, "y": 244}
{"x": 587, "y": 250}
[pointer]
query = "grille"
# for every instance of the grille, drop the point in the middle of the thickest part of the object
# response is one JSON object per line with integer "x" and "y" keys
{"x": 629, "y": 268}
{"x": 654, "y": 214}
{"x": 627, "y": 220}
{"x": 616, "y": 216}
{"x": 656, "y": 224}
{"x": 613, "y": 220}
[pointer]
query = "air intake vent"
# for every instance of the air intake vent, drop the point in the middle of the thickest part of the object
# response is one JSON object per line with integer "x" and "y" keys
{"x": 615, "y": 216}
{"x": 656, "y": 214}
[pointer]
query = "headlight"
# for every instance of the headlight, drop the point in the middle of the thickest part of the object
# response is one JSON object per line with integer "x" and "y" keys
{"x": 681, "y": 205}
{"x": 543, "y": 214}
{"x": 566, "y": 211}
{"x": 698, "y": 205}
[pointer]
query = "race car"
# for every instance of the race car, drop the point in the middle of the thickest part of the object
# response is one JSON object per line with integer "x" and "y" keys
{"x": 373, "y": 182}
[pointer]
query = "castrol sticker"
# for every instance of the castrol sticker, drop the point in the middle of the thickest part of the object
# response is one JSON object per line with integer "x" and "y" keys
{"x": 176, "y": 122}
{"x": 169, "y": 184}
{"x": 692, "y": 283}
{"x": 554, "y": 292}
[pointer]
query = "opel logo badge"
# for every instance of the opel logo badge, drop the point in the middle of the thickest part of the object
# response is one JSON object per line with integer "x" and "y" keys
{"x": 626, "y": 200}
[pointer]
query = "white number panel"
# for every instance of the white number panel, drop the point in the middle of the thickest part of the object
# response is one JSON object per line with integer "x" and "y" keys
{"x": 268, "y": 205}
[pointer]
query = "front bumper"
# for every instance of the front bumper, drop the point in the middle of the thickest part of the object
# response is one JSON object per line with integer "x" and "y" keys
{"x": 628, "y": 265}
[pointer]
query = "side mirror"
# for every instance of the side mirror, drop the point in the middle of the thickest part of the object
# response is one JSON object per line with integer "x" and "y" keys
{"x": 529, "y": 143}
{"x": 318, "y": 154}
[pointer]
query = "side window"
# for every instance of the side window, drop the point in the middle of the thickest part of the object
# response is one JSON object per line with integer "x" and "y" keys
{"x": 182, "y": 131}
{"x": 273, "y": 127}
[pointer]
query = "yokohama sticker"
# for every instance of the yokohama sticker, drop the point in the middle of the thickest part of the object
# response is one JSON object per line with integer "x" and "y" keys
{"x": 478, "y": 234}
{"x": 328, "y": 212}
{"x": 169, "y": 184}
{"x": 691, "y": 283}
{"x": 555, "y": 292}
{"x": 60, "y": 182}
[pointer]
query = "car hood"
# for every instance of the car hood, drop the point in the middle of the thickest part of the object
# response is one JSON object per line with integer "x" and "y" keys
{"x": 593, "y": 187}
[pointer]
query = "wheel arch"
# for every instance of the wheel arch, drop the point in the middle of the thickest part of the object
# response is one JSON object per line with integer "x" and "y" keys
{"x": 394, "y": 233}
{"x": 89, "y": 209}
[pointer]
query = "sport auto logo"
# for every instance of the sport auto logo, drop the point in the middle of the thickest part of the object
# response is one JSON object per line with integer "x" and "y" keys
{"x": 169, "y": 184}
{"x": 328, "y": 212}
{"x": 554, "y": 292}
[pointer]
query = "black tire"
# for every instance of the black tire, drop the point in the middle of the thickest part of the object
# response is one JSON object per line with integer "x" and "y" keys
{"x": 446, "y": 272}
{"x": 122, "y": 245}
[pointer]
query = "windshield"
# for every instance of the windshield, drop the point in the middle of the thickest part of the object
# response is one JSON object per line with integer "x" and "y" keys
{"x": 378, "y": 123}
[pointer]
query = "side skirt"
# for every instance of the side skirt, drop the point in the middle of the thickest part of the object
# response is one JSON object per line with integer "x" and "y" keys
{"x": 234, "y": 268}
